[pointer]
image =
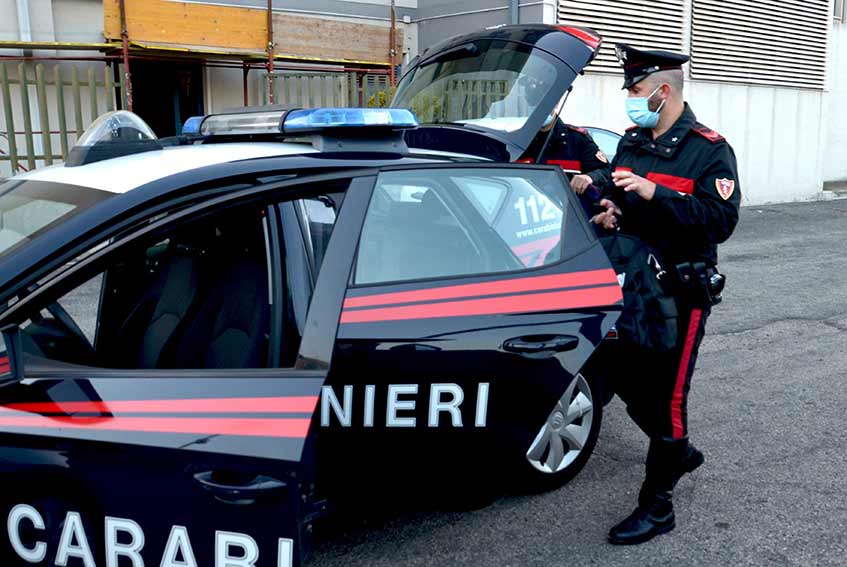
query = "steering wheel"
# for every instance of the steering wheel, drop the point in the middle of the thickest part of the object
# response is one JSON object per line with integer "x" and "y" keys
{"x": 67, "y": 322}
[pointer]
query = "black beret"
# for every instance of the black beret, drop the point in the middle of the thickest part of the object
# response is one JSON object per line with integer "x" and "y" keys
{"x": 638, "y": 64}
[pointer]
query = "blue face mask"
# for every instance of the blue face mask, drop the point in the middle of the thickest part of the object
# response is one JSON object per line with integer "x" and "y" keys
{"x": 638, "y": 110}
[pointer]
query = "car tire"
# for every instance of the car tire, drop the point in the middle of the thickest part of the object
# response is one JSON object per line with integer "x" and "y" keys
{"x": 563, "y": 445}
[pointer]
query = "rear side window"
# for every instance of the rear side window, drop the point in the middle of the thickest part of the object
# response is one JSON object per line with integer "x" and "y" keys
{"x": 453, "y": 222}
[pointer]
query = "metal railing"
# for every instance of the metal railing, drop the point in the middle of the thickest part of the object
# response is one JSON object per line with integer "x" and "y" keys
{"x": 45, "y": 109}
{"x": 339, "y": 89}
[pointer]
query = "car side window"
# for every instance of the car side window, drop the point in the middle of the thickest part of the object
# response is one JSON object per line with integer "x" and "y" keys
{"x": 319, "y": 217}
{"x": 195, "y": 295}
{"x": 453, "y": 222}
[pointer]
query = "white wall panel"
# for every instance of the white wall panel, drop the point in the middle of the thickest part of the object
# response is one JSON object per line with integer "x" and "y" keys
{"x": 834, "y": 138}
{"x": 774, "y": 131}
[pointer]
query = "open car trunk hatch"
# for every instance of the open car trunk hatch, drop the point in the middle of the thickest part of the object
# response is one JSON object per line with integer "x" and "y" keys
{"x": 489, "y": 92}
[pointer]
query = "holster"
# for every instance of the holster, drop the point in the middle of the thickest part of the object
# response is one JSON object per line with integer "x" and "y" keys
{"x": 698, "y": 283}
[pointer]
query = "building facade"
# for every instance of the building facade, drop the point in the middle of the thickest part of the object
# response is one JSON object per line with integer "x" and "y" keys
{"x": 767, "y": 74}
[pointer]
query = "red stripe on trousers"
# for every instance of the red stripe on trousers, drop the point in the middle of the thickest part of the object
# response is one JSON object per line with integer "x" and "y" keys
{"x": 513, "y": 285}
{"x": 251, "y": 427}
{"x": 679, "y": 387}
{"x": 553, "y": 301}
{"x": 279, "y": 404}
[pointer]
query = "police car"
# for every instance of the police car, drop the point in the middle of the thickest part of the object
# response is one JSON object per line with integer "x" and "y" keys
{"x": 203, "y": 333}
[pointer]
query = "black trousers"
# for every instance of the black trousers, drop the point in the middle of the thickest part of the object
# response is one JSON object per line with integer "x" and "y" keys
{"x": 655, "y": 386}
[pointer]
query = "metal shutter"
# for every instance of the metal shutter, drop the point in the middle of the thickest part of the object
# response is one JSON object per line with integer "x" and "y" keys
{"x": 767, "y": 42}
{"x": 650, "y": 24}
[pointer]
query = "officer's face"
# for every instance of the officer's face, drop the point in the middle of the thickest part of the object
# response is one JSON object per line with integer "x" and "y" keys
{"x": 646, "y": 88}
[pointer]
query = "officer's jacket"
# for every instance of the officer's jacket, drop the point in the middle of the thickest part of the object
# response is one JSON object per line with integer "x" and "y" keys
{"x": 573, "y": 148}
{"x": 695, "y": 206}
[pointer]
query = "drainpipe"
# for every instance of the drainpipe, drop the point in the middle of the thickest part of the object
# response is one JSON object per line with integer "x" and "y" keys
{"x": 514, "y": 12}
{"x": 392, "y": 40}
{"x": 24, "y": 24}
{"x": 270, "y": 53}
{"x": 245, "y": 71}
{"x": 125, "y": 48}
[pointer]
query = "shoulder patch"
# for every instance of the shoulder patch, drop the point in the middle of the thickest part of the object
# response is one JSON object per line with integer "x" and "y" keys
{"x": 578, "y": 129}
{"x": 708, "y": 133}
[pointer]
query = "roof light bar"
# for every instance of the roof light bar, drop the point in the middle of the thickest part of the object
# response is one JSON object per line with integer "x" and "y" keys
{"x": 301, "y": 121}
{"x": 263, "y": 122}
{"x": 281, "y": 121}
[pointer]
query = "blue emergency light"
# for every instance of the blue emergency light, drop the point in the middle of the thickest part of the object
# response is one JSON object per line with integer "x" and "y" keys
{"x": 192, "y": 126}
{"x": 262, "y": 120}
{"x": 320, "y": 118}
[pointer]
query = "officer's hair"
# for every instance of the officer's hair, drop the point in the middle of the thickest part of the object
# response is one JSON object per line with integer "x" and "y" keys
{"x": 674, "y": 77}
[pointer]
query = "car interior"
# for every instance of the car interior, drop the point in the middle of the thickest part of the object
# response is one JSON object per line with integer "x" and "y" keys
{"x": 419, "y": 221}
{"x": 196, "y": 297}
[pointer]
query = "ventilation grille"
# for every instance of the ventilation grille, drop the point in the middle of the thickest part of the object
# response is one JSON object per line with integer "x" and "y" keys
{"x": 647, "y": 24}
{"x": 767, "y": 42}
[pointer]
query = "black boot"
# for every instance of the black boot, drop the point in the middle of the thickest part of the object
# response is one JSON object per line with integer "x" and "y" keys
{"x": 690, "y": 462}
{"x": 693, "y": 459}
{"x": 654, "y": 514}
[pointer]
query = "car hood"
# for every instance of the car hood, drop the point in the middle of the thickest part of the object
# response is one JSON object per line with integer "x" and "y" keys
{"x": 460, "y": 118}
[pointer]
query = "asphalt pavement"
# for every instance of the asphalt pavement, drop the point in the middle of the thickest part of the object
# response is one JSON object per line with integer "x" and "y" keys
{"x": 768, "y": 408}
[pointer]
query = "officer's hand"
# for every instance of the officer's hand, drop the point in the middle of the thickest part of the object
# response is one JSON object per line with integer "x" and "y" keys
{"x": 608, "y": 219}
{"x": 580, "y": 183}
{"x": 628, "y": 181}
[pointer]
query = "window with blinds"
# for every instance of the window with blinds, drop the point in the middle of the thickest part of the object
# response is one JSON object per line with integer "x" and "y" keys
{"x": 767, "y": 42}
{"x": 649, "y": 24}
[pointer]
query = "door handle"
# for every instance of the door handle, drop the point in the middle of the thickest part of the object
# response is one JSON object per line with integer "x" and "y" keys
{"x": 536, "y": 344}
{"x": 256, "y": 487}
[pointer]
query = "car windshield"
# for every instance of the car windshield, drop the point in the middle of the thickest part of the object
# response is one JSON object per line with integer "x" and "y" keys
{"x": 29, "y": 208}
{"x": 491, "y": 84}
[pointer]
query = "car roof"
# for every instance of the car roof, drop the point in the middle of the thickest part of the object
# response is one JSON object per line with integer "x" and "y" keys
{"x": 122, "y": 174}
{"x": 125, "y": 173}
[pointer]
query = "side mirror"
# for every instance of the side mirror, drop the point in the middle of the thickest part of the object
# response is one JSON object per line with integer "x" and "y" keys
{"x": 11, "y": 361}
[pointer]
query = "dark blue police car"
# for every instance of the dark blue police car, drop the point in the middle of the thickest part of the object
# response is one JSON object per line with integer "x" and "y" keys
{"x": 203, "y": 334}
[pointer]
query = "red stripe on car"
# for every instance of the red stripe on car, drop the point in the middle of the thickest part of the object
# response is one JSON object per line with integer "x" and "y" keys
{"x": 246, "y": 426}
{"x": 587, "y": 38}
{"x": 525, "y": 303}
{"x": 570, "y": 164}
{"x": 281, "y": 404}
{"x": 679, "y": 184}
{"x": 513, "y": 285}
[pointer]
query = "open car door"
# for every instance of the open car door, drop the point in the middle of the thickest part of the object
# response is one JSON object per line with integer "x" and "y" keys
{"x": 478, "y": 294}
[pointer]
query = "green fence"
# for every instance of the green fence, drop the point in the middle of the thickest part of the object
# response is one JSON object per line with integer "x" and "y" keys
{"x": 47, "y": 107}
{"x": 315, "y": 90}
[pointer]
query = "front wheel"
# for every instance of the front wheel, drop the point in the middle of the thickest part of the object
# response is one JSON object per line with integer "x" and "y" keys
{"x": 565, "y": 442}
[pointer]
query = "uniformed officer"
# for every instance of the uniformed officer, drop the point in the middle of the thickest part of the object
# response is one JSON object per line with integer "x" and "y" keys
{"x": 574, "y": 150}
{"x": 674, "y": 185}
